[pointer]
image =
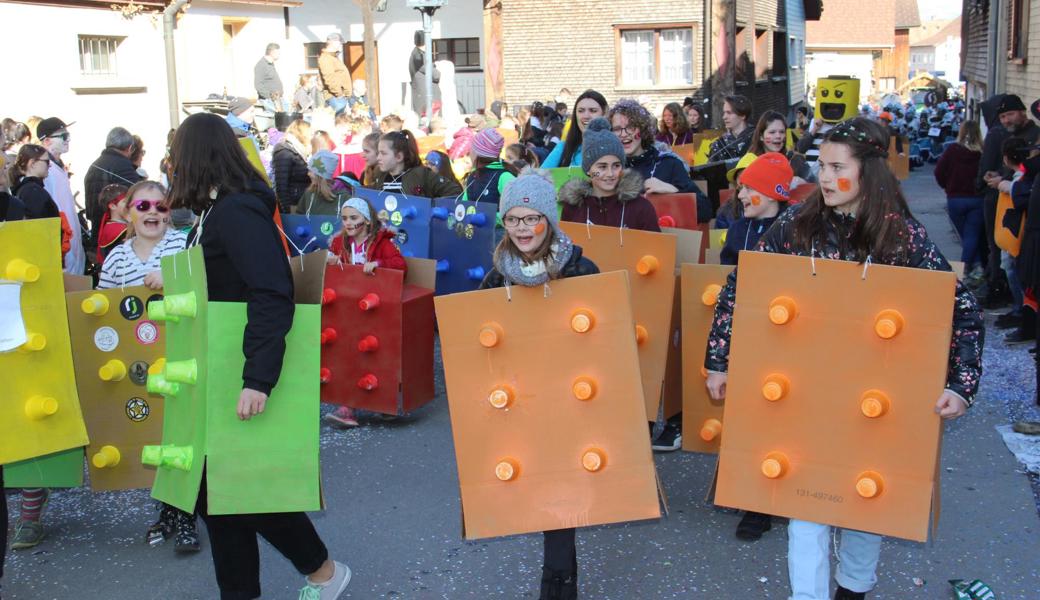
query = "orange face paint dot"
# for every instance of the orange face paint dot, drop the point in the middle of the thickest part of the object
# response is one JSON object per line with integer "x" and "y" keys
{"x": 756, "y": 200}
{"x": 844, "y": 185}
{"x": 539, "y": 229}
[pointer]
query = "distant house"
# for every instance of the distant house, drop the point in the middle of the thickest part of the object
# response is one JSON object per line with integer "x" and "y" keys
{"x": 848, "y": 38}
{"x": 892, "y": 67}
{"x": 940, "y": 52}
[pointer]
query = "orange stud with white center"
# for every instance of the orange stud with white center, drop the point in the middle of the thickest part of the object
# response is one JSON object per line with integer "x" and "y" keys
{"x": 710, "y": 297}
{"x": 593, "y": 460}
{"x": 501, "y": 396}
{"x": 507, "y": 469}
{"x": 869, "y": 484}
{"x": 648, "y": 265}
{"x": 782, "y": 310}
{"x": 711, "y": 429}
{"x": 775, "y": 387}
{"x": 775, "y": 465}
{"x": 874, "y": 403}
{"x": 584, "y": 388}
{"x": 641, "y": 335}
{"x": 582, "y": 320}
{"x": 490, "y": 334}
{"x": 888, "y": 324}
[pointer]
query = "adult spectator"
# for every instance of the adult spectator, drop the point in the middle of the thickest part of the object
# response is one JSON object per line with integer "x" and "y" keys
{"x": 240, "y": 116}
{"x": 417, "y": 73}
{"x": 16, "y": 135}
{"x": 53, "y": 134}
{"x": 289, "y": 162}
{"x": 26, "y": 178}
{"x": 113, "y": 166}
{"x": 674, "y": 130}
{"x": 268, "y": 83}
{"x": 138, "y": 156}
{"x": 955, "y": 174}
{"x": 335, "y": 78}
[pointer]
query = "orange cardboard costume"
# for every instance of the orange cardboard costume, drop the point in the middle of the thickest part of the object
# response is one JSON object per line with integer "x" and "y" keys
{"x": 546, "y": 406}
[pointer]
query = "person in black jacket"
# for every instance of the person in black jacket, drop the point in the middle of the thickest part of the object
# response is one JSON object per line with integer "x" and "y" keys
{"x": 245, "y": 262}
{"x": 113, "y": 166}
{"x": 289, "y": 164}
{"x": 26, "y": 176}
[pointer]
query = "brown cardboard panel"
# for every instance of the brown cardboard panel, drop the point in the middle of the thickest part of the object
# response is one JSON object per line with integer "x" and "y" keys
{"x": 831, "y": 355}
{"x": 309, "y": 276}
{"x": 421, "y": 272}
{"x": 614, "y": 249}
{"x": 545, "y": 430}
{"x": 688, "y": 246}
{"x": 900, "y": 165}
{"x": 698, "y": 310}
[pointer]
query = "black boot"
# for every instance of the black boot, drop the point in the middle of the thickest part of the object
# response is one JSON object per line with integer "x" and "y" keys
{"x": 187, "y": 532}
{"x": 753, "y": 525}
{"x": 844, "y": 594}
{"x": 162, "y": 529}
{"x": 558, "y": 586}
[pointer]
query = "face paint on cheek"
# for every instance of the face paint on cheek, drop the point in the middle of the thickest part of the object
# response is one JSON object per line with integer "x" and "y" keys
{"x": 539, "y": 229}
{"x": 844, "y": 184}
{"x": 756, "y": 200}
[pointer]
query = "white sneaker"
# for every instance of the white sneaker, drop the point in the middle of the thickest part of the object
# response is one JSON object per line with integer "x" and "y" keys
{"x": 331, "y": 589}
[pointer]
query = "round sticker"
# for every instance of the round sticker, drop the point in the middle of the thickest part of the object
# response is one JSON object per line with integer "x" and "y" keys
{"x": 138, "y": 372}
{"x": 390, "y": 203}
{"x": 383, "y": 216}
{"x": 468, "y": 232}
{"x": 131, "y": 308}
{"x": 396, "y": 218}
{"x": 402, "y": 237}
{"x": 137, "y": 409}
{"x": 147, "y": 332}
{"x": 472, "y": 210}
{"x": 106, "y": 339}
{"x": 326, "y": 228}
{"x": 460, "y": 212}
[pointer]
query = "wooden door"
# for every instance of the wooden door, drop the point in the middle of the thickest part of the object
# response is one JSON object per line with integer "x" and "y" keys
{"x": 355, "y": 59}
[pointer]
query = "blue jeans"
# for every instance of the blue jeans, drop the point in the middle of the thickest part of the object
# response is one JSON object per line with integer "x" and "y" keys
{"x": 809, "y": 560}
{"x": 274, "y": 107}
{"x": 1007, "y": 262}
{"x": 968, "y": 220}
{"x": 337, "y": 104}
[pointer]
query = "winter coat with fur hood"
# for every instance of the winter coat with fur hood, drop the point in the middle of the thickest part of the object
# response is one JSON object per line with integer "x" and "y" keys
{"x": 628, "y": 208}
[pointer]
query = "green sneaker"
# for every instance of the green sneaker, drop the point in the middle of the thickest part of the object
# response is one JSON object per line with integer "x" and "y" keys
{"x": 27, "y": 534}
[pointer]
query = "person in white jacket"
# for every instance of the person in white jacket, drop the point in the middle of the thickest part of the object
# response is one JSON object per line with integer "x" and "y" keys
{"x": 53, "y": 134}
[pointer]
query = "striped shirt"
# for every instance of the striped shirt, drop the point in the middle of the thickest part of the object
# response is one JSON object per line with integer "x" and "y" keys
{"x": 123, "y": 268}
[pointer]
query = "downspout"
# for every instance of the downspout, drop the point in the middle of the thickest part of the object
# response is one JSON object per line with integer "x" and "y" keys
{"x": 169, "y": 22}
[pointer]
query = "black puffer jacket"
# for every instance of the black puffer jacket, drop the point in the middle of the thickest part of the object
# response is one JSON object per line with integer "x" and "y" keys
{"x": 245, "y": 262}
{"x": 38, "y": 203}
{"x": 110, "y": 167}
{"x": 290, "y": 175}
{"x": 577, "y": 266}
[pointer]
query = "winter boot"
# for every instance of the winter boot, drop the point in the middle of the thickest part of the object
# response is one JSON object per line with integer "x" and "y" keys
{"x": 558, "y": 586}
{"x": 164, "y": 527}
{"x": 187, "y": 532}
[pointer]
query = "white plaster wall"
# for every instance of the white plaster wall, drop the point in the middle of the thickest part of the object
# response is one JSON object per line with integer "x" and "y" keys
{"x": 823, "y": 64}
{"x": 948, "y": 59}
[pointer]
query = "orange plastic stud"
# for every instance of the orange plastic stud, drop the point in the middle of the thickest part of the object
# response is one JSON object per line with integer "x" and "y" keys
{"x": 711, "y": 429}
{"x": 874, "y": 403}
{"x": 888, "y": 324}
{"x": 710, "y": 297}
{"x": 593, "y": 460}
{"x": 782, "y": 310}
{"x": 369, "y": 343}
{"x": 40, "y": 407}
{"x": 648, "y": 265}
{"x": 369, "y": 301}
{"x": 113, "y": 370}
{"x": 507, "y": 469}
{"x": 641, "y": 335}
{"x": 869, "y": 484}
{"x": 776, "y": 386}
{"x": 501, "y": 396}
{"x": 490, "y": 334}
{"x": 582, "y": 320}
{"x": 775, "y": 465}
{"x": 584, "y": 388}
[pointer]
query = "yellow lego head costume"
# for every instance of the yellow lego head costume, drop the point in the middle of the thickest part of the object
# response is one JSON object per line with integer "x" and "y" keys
{"x": 836, "y": 98}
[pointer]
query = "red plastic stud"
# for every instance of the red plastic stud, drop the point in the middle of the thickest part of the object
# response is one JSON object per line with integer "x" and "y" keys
{"x": 328, "y": 296}
{"x": 368, "y": 382}
{"x": 369, "y": 343}
{"x": 328, "y": 335}
{"x": 325, "y": 374}
{"x": 369, "y": 301}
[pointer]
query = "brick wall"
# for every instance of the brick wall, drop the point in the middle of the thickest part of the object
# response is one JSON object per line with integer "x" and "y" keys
{"x": 1024, "y": 79}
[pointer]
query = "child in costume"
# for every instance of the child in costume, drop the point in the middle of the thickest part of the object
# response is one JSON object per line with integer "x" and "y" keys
{"x": 858, "y": 214}
{"x": 490, "y": 174}
{"x": 111, "y": 230}
{"x": 401, "y": 171}
{"x": 326, "y": 193}
{"x": 533, "y": 252}
{"x": 371, "y": 246}
{"x": 763, "y": 194}
{"x": 612, "y": 196}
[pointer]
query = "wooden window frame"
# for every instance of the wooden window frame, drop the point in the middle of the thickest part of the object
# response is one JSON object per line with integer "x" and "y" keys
{"x": 452, "y": 56}
{"x": 619, "y": 29}
{"x": 1018, "y": 32}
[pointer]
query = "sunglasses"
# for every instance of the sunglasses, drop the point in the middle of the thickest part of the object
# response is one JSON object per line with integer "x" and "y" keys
{"x": 146, "y": 205}
{"x": 63, "y": 136}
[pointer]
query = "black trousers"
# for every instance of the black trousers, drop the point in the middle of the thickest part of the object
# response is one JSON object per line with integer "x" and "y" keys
{"x": 996, "y": 280}
{"x": 561, "y": 556}
{"x": 236, "y": 552}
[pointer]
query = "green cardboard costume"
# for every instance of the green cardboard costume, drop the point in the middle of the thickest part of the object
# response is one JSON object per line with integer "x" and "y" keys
{"x": 266, "y": 464}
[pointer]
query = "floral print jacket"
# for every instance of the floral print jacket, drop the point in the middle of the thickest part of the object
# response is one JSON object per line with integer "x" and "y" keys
{"x": 965, "y": 363}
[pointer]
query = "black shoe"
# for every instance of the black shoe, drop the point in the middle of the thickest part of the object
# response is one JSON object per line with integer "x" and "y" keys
{"x": 844, "y": 594}
{"x": 1019, "y": 336}
{"x": 558, "y": 586}
{"x": 1008, "y": 320}
{"x": 162, "y": 529}
{"x": 753, "y": 525}
{"x": 996, "y": 300}
{"x": 670, "y": 439}
{"x": 187, "y": 533}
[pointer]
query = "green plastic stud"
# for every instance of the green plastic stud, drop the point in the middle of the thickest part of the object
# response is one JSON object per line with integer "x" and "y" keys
{"x": 182, "y": 371}
{"x": 168, "y": 457}
{"x": 181, "y": 305}
{"x": 158, "y": 384}
{"x": 157, "y": 312}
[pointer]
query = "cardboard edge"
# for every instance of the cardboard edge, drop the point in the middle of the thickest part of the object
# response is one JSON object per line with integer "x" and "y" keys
{"x": 422, "y": 272}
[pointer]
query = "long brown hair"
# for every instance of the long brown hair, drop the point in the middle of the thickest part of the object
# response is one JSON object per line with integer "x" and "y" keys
{"x": 758, "y": 147}
{"x": 680, "y": 124}
{"x": 206, "y": 155}
{"x": 20, "y": 166}
{"x": 403, "y": 142}
{"x": 880, "y": 230}
{"x": 969, "y": 136}
{"x": 574, "y": 137}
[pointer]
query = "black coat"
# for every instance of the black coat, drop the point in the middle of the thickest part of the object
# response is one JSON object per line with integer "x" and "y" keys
{"x": 290, "y": 175}
{"x": 11, "y": 208}
{"x": 110, "y": 167}
{"x": 576, "y": 266}
{"x": 246, "y": 262}
{"x": 38, "y": 202}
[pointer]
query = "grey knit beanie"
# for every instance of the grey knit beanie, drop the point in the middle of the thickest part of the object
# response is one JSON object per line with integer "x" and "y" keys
{"x": 599, "y": 141}
{"x": 535, "y": 190}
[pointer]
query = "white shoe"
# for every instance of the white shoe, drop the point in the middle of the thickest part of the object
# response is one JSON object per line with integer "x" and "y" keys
{"x": 331, "y": 589}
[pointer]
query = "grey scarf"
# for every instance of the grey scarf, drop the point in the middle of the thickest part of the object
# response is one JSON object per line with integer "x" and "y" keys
{"x": 515, "y": 270}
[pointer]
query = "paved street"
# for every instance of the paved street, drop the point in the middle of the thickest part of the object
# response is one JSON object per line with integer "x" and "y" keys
{"x": 393, "y": 516}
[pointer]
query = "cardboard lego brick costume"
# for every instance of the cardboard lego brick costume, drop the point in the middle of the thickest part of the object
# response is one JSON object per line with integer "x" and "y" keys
{"x": 462, "y": 239}
{"x": 649, "y": 259}
{"x": 680, "y": 211}
{"x": 407, "y": 216}
{"x": 1003, "y": 236}
{"x": 546, "y": 406}
{"x": 308, "y": 233}
{"x": 266, "y": 464}
{"x": 687, "y": 250}
{"x": 39, "y": 410}
{"x": 702, "y": 416}
{"x": 377, "y": 338}
{"x": 833, "y": 379}
{"x": 837, "y": 98}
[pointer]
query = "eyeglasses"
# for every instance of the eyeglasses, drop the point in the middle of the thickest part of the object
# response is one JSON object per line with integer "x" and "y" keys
{"x": 630, "y": 130}
{"x": 147, "y": 205}
{"x": 529, "y": 220}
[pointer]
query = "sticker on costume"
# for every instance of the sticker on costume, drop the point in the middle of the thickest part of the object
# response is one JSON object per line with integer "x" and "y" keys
{"x": 390, "y": 203}
{"x": 106, "y": 339}
{"x": 131, "y": 308}
{"x": 326, "y": 228}
{"x": 402, "y": 237}
{"x": 12, "y": 325}
{"x": 383, "y": 215}
{"x": 147, "y": 332}
{"x": 138, "y": 372}
{"x": 137, "y": 409}
{"x": 396, "y": 218}
{"x": 460, "y": 212}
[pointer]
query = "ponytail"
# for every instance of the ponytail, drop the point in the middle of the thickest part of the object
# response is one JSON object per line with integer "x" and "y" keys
{"x": 403, "y": 142}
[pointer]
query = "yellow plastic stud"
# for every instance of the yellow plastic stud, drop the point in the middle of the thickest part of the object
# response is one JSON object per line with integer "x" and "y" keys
{"x": 95, "y": 304}
{"x": 34, "y": 342}
{"x": 888, "y": 324}
{"x": 648, "y": 265}
{"x": 775, "y": 465}
{"x": 113, "y": 370}
{"x": 106, "y": 458}
{"x": 38, "y": 408}
{"x": 776, "y": 387}
{"x": 501, "y": 396}
{"x": 582, "y": 320}
{"x": 593, "y": 460}
{"x": 782, "y": 310}
{"x": 710, "y": 297}
{"x": 21, "y": 270}
{"x": 711, "y": 429}
{"x": 490, "y": 335}
{"x": 869, "y": 484}
{"x": 874, "y": 403}
{"x": 507, "y": 469}
{"x": 584, "y": 388}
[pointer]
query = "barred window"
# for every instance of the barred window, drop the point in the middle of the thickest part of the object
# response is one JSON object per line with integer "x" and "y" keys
{"x": 97, "y": 54}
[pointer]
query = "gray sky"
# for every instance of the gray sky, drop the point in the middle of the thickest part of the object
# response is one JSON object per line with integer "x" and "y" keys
{"x": 938, "y": 9}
